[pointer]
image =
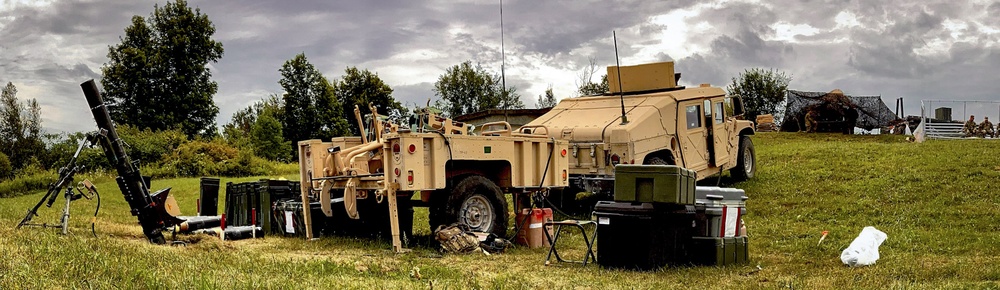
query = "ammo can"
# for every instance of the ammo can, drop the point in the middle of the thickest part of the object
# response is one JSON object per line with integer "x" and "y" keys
{"x": 209, "y": 190}
{"x": 654, "y": 183}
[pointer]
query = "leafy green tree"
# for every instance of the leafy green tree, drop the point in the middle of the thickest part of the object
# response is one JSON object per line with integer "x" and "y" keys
{"x": 20, "y": 128}
{"x": 762, "y": 91}
{"x": 11, "y": 122}
{"x": 267, "y": 139}
{"x": 237, "y": 131}
{"x": 586, "y": 86}
{"x": 546, "y": 101}
{"x": 465, "y": 89}
{"x": 158, "y": 77}
{"x": 6, "y": 170}
{"x": 330, "y": 112}
{"x": 360, "y": 88}
{"x": 310, "y": 110}
{"x": 593, "y": 89}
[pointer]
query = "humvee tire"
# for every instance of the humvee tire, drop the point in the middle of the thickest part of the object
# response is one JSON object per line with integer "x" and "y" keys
{"x": 659, "y": 161}
{"x": 476, "y": 202}
{"x": 746, "y": 161}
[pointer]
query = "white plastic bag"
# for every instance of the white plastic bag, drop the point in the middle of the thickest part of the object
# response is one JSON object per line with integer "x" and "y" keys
{"x": 863, "y": 251}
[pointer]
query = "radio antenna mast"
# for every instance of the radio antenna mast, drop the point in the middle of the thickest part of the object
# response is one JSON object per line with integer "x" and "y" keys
{"x": 503, "y": 64}
{"x": 621, "y": 92}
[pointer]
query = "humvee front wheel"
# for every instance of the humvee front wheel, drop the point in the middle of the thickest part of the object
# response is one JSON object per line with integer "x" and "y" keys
{"x": 746, "y": 161}
{"x": 476, "y": 202}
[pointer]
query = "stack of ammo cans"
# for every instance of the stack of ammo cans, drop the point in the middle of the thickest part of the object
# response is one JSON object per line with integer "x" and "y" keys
{"x": 660, "y": 217}
{"x": 720, "y": 236}
{"x": 245, "y": 199}
{"x": 650, "y": 222}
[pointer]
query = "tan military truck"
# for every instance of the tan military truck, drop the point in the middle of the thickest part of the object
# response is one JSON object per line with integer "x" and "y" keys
{"x": 650, "y": 121}
{"x": 461, "y": 177}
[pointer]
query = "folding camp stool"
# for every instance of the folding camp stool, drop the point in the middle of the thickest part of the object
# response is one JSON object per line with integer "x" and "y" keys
{"x": 575, "y": 223}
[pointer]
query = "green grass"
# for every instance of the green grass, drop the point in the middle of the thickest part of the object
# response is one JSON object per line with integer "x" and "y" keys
{"x": 937, "y": 201}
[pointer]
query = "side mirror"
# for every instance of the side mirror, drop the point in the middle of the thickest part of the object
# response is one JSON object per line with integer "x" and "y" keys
{"x": 734, "y": 106}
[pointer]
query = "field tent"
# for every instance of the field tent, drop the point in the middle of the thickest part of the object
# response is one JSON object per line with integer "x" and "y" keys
{"x": 872, "y": 112}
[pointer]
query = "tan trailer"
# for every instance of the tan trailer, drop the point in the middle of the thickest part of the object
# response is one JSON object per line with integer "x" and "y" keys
{"x": 460, "y": 176}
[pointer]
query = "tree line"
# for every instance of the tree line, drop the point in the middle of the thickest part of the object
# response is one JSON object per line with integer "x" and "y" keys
{"x": 157, "y": 79}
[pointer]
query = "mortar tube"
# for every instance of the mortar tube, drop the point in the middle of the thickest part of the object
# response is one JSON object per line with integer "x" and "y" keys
{"x": 199, "y": 222}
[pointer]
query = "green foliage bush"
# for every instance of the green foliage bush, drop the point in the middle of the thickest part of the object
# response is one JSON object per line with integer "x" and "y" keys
{"x": 6, "y": 170}
{"x": 148, "y": 146}
{"x": 213, "y": 158}
{"x": 31, "y": 167}
{"x": 27, "y": 183}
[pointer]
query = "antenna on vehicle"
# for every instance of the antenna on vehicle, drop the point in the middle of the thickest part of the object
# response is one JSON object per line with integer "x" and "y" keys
{"x": 621, "y": 92}
{"x": 503, "y": 64}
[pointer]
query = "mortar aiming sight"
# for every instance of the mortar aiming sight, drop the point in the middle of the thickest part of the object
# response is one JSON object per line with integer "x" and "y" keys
{"x": 65, "y": 181}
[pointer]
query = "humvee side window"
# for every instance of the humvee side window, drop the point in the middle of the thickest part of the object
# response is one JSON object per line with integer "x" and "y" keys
{"x": 719, "y": 117}
{"x": 729, "y": 106}
{"x": 693, "y": 116}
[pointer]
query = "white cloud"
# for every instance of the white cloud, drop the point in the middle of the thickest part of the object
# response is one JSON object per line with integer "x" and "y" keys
{"x": 787, "y": 32}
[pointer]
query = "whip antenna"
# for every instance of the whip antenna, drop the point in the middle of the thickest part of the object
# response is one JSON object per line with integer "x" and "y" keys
{"x": 621, "y": 92}
{"x": 503, "y": 64}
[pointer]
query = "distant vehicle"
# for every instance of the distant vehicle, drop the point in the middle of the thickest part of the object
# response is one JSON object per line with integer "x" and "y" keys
{"x": 697, "y": 128}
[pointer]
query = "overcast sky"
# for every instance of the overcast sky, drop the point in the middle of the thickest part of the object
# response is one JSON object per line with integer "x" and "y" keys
{"x": 917, "y": 50}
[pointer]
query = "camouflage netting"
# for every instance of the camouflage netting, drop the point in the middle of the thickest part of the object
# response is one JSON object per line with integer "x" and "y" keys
{"x": 831, "y": 110}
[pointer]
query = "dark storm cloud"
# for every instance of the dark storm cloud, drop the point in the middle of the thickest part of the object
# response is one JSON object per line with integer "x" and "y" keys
{"x": 898, "y": 48}
{"x": 740, "y": 46}
{"x": 894, "y": 56}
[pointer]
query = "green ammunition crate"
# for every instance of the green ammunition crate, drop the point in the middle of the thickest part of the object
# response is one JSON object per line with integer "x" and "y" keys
{"x": 742, "y": 253}
{"x": 242, "y": 199}
{"x": 654, "y": 183}
{"x": 719, "y": 251}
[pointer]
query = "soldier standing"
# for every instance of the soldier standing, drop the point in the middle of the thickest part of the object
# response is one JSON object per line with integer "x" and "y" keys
{"x": 850, "y": 120}
{"x": 811, "y": 121}
{"x": 970, "y": 126}
{"x": 986, "y": 127}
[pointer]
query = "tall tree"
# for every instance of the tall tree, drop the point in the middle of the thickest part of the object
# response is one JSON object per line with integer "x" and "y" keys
{"x": 546, "y": 101}
{"x": 158, "y": 77}
{"x": 11, "y": 122}
{"x": 20, "y": 128}
{"x": 237, "y": 131}
{"x": 762, "y": 91}
{"x": 465, "y": 89}
{"x": 311, "y": 109}
{"x": 266, "y": 136}
{"x": 360, "y": 88}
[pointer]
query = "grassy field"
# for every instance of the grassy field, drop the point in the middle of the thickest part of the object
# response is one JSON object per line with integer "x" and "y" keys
{"x": 939, "y": 203}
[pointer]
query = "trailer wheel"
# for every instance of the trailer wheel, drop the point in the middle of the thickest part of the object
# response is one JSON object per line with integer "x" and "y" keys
{"x": 476, "y": 202}
{"x": 746, "y": 161}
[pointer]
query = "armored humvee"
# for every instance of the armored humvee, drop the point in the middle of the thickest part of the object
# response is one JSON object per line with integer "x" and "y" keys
{"x": 647, "y": 119}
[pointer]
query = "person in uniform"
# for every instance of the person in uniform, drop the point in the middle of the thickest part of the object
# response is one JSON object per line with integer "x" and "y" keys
{"x": 970, "y": 127}
{"x": 811, "y": 121}
{"x": 850, "y": 119}
{"x": 986, "y": 128}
